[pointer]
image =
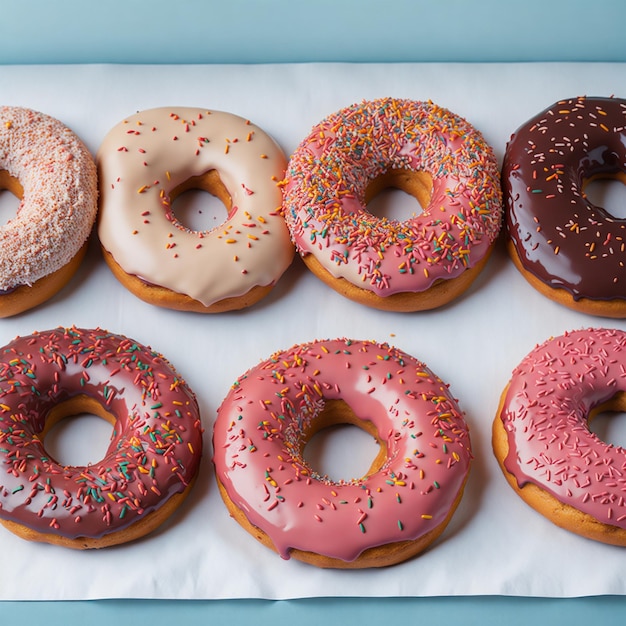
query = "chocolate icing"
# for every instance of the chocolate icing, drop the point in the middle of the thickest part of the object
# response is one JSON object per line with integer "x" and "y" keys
{"x": 559, "y": 235}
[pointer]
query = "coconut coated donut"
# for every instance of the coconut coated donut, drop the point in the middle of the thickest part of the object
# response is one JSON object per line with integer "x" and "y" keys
{"x": 569, "y": 249}
{"x": 149, "y": 159}
{"x": 421, "y": 148}
{"x": 394, "y": 512}
{"x": 541, "y": 434}
{"x": 151, "y": 461}
{"x": 48, "y": 168}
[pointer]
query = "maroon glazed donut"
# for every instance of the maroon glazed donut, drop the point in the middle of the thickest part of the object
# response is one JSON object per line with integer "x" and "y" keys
{"x": 151, "y": 461}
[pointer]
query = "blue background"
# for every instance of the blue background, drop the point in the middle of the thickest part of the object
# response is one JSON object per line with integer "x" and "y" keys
{"x": 276, "y": 31}
{"x": 270, "y": 31}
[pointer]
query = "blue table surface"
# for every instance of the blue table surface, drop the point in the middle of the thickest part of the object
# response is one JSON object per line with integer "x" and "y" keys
{"x": 470, "y": 611}
{"x": 277, "y": 31}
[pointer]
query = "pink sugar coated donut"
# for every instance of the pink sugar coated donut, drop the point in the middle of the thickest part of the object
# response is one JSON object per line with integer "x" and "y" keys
{"x": 58, "y": 209}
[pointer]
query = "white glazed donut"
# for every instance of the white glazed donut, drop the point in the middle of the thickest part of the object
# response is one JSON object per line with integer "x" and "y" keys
{"x": 150, "y": 158}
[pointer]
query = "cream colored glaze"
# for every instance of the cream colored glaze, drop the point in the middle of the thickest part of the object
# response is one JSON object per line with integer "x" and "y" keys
{"x": 147, "y": 156}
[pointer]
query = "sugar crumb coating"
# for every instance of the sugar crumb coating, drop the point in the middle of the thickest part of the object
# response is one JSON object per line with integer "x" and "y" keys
{"x": 59, "y": 204}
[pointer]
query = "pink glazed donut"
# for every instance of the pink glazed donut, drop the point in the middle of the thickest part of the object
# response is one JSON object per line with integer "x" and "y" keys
{"x": 541, "y": 434}
{"x": 395, "y": 511}
{"x": 434, "y": 155}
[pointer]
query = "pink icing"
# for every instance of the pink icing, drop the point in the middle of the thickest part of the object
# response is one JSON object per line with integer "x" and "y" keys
{"x": 258, "y": 448}
{"x": 329, "y": 172}
{"x": 545, "y": 415}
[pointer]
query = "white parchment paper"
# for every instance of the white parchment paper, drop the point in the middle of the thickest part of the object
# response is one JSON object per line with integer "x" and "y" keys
{"x": 495, "y": 543}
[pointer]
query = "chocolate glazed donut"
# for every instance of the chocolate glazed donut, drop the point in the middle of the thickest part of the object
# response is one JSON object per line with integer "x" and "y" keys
{"x": 568, "y": 248}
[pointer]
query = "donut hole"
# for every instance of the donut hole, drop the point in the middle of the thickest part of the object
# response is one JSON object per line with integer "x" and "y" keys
{"x": 608, "y": 421}
{"x": 392, "y": 195}
{"x": 78, "y": 432}
{"x": 201, "y": 203}
{"x": 342, "y": 447}
{"x": 609, "y": 193}
{"x": 11, "y": 193}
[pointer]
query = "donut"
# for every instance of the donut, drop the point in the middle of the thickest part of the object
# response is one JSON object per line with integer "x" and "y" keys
{"x": 567, "y": 248}
{"x": 430, "y": 153}
{"x": 397, "y": 509}
{"x": 541, "y": 434}
{"x": 148, "y": 160}
{"x": 48, "y": 168}
{"x": 151, "y": 461}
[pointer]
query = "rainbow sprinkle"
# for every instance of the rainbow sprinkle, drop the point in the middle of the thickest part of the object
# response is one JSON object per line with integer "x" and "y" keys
{"x": 329, "y": 173}
{"x": 155, "y": 447}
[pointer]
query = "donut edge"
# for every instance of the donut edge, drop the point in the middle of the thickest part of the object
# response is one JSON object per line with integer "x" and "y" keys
{"x": 442, "y": 292}
{"x": 28, "y": 297}
{"x": 168, "y": 299}
{"x": 137, "y": 530}
{"x": 615, "y": 309}
{"x": 563, "y": 515}
{"x": 378, "y": 556}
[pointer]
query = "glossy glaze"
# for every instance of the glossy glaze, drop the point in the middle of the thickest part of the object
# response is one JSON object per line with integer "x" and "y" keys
{"x": 147, "y": 156}
{"x": 545, "y": 413}
{"x": 154, "y": 451}
{"x": 258, "y": 441}
{"x": 559, "y": 235}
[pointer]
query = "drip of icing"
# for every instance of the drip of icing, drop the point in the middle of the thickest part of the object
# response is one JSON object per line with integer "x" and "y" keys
{"x": 559, "y": 236}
